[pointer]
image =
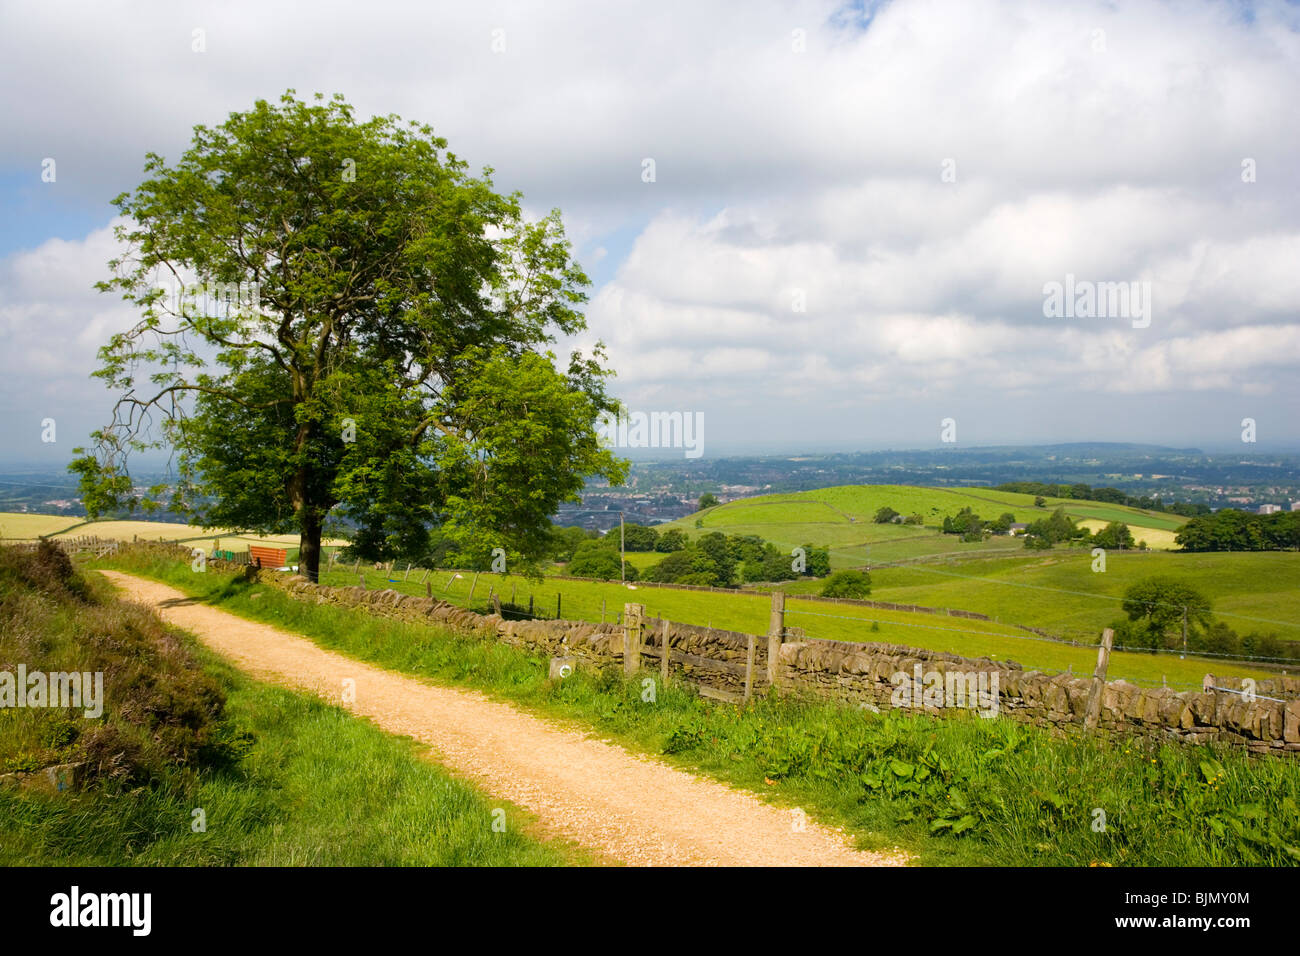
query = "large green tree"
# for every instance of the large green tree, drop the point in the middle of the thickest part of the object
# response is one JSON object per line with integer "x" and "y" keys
{"x": 370, "y": 335}
{"x": 1158, "y": 605}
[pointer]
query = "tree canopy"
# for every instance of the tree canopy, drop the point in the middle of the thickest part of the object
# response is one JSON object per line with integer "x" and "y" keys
{"x": 377, "y": 343}
{"x": 1233, "y": 530}
{"x": 1157, "y": 606}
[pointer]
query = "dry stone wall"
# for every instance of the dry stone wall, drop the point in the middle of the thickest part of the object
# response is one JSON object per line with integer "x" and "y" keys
{"x": 877, "y": 675}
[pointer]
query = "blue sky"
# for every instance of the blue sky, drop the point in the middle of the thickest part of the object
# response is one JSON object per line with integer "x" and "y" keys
{"x": 855, "y": 211}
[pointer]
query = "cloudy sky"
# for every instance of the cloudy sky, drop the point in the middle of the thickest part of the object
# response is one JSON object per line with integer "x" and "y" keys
{"x": 855, "y": 209}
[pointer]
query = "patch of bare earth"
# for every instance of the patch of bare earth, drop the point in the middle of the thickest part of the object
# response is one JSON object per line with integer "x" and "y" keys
{"x": 629, "y": 807}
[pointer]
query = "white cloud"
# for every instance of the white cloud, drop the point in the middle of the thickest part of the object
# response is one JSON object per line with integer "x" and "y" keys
{"x": 1111, "y": 155}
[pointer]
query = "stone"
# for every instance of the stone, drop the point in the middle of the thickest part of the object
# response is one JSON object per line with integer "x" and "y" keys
{"x": 1291, "y": 723}
{"x": 561, "y": 667}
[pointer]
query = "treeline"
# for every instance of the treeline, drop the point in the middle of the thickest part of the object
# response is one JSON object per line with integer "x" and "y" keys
{"x": 714, "y": 559}
{"x": 1082, "y": 492}
{"x": 1231, "y": 530}
{"x": 1056, "y": 528}
{"x": 971, "y": 527}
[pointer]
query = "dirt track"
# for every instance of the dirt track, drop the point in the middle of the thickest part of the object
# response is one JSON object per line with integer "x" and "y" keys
{"x": 628, "y": 807}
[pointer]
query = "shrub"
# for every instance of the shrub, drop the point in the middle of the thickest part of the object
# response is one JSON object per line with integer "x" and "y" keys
{"x": 847, "y": 584}
{"x": 160, "y": 709}
{"x": 672, "y": 540}
{"x": 599, "y": 559}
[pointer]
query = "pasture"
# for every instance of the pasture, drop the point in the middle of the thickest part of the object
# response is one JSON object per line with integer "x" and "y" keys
{"x": 1059, "y": 591}
{"x": 842, "y": 518}
{"x": 748, "y": 612}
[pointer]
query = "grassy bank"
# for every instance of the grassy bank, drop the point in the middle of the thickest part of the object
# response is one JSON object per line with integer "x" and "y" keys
{"x": 952, "y": 791}
{"x": 281, "y": 778}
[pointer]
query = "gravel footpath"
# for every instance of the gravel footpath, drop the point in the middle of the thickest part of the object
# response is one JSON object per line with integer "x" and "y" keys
{"x": 624, "y": 806}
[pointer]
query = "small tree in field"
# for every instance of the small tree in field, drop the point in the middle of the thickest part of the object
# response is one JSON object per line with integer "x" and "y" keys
{"x": 385, "y": 353}
{"x": 1158, "y": 605}
{"x": 847, "y": 584}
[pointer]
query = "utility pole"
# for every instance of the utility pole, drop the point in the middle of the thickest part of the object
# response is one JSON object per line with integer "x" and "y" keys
{"x": 622, "y": 568}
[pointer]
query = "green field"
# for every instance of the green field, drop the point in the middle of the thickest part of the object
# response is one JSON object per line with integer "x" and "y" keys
{"x": 748, "y": 612}
{"x": 1055, "y": 590}
{"x": 841, "y": 518}
{"x": 1060, "y": 592}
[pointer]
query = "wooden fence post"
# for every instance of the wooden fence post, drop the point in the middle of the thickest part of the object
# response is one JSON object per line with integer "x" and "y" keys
{"x": 632, "y": 637}
{"x": 362, "y": 577}
{"x": 408, "y": 571}
{"x": 558, "y": 597}
{"x": 496, "y": 604}
{"x": 665, "y": 651}
{"x": 1093, "y": 713}
{"x": 428, "y": 590}
{"x": 472, "y": 586}
{"x": 749, "y": 668}
{"x": 775, "y": 634}
{"x": 530, "y": 605}
{"x": 426, "y": 576}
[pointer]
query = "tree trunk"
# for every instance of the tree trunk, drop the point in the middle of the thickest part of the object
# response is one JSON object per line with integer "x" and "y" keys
{"x": 309, "y": 544}
{"x": 309, "y": 524}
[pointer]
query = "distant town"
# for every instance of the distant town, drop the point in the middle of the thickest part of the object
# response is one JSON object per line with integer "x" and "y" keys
{"x": 660, "y": 491}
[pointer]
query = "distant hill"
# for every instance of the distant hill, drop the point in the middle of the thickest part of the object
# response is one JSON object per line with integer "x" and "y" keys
{"x": 842, "y": 517}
